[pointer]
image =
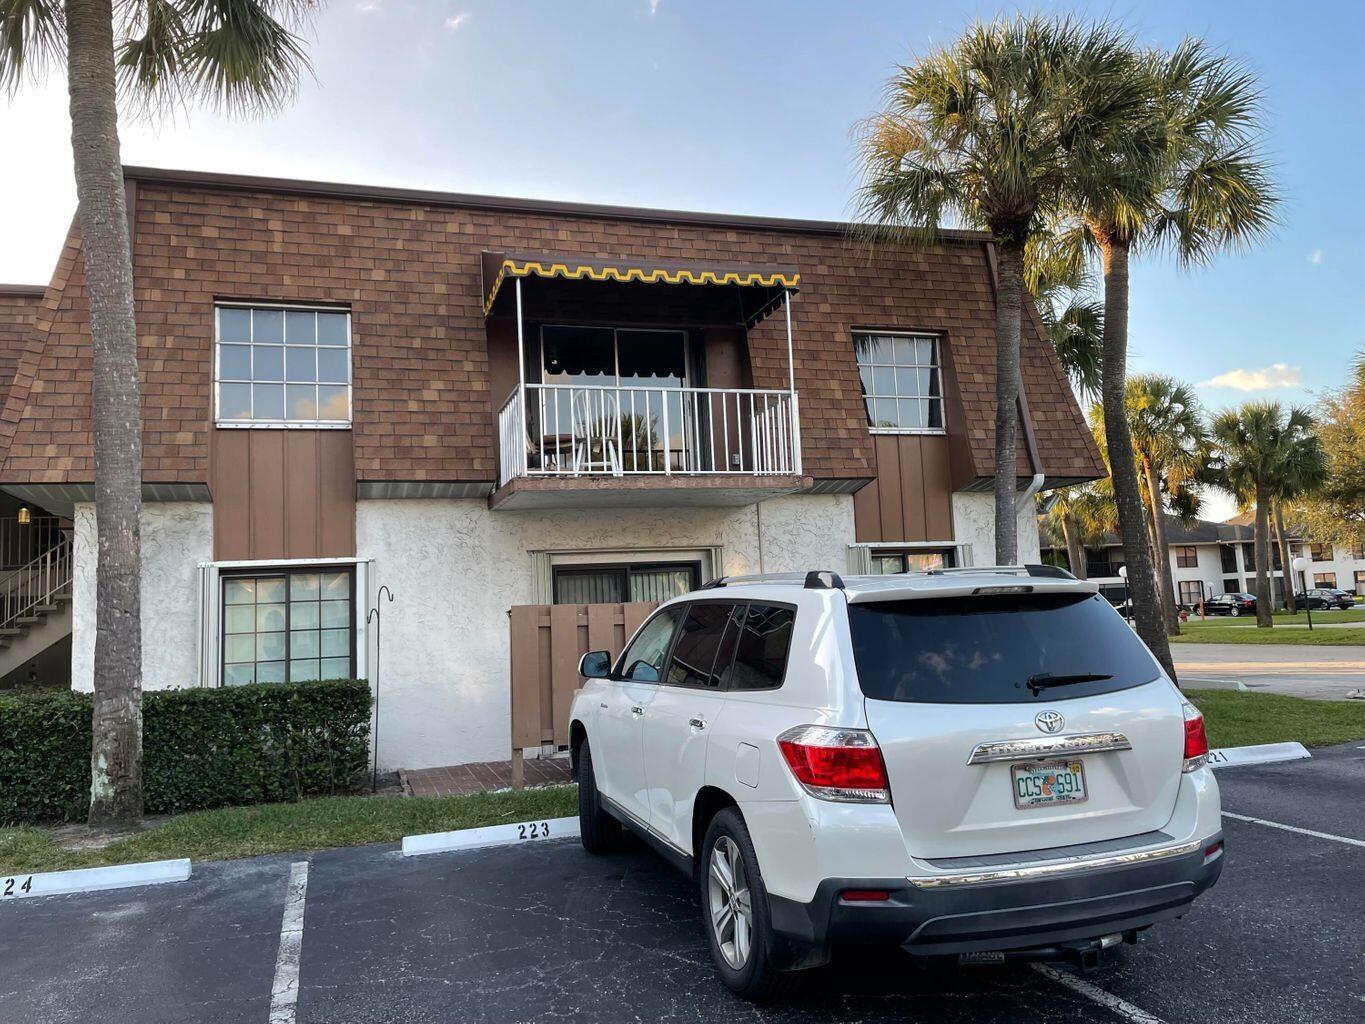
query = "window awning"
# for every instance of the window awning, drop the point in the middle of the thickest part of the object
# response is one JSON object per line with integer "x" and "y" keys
{"x": 700, "y": 291}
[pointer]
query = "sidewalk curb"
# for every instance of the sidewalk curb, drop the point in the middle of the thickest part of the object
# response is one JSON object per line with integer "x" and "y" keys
{"x": 514, "y": 834}
{"x": 1259, "y": 753}
{"x": 118, "y": 876}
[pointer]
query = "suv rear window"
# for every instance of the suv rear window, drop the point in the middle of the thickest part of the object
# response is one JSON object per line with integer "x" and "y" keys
{"x": 984, "y": 649}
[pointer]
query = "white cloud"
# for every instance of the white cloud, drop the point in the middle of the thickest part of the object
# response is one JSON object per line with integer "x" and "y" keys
{"x": 369, "y": 6}
{"x": 453, "y": 23}
{"x": 654, "y": 6}
{"x": 1277, "y": 375}
{"x": 1315, "y": 257}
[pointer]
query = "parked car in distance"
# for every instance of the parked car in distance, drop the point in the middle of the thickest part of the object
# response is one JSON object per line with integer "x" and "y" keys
{"x": 1231, "y": 604}
{"x": 971, "y": 764}
{"x": 1328, "y": 598}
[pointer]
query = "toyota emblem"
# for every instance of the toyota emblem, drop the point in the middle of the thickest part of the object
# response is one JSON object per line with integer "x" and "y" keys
{"x": 1049, "y": 721}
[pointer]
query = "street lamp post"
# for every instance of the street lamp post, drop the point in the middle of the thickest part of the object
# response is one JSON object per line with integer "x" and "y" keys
{"x": 1299, "y": 565}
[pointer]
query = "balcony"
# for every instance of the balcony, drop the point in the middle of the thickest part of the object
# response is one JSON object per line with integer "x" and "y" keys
{"x": 585, "y": 446}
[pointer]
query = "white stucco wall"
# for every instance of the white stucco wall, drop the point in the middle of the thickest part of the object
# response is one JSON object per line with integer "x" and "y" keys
{"x": 176, "y": 537}
{"x": 974, "y": 527}
{"x": 455, "y": 568}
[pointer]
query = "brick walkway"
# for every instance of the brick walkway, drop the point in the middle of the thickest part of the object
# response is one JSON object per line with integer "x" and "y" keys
{"x": 459, "y": 779}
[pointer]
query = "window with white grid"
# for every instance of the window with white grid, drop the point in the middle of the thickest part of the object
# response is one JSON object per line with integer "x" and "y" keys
{"x": 282, "y": 366}
{"x": 901, "y": 381}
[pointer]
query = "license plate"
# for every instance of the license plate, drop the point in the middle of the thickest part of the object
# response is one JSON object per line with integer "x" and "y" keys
{"x": 1045, "y": 783}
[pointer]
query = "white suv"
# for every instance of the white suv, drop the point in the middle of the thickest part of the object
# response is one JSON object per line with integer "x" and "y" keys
{"x": 978, "y": 764}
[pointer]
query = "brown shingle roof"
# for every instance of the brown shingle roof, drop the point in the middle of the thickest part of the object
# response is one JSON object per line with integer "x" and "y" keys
{"x": 408, "y": 266}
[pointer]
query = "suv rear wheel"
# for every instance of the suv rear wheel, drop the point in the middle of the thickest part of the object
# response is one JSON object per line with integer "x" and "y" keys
{"x": 598, "y": 830}
{"x": 734, "y": 907}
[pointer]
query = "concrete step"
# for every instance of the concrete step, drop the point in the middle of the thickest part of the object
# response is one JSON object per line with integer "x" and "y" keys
{"x": 29, "y": 620}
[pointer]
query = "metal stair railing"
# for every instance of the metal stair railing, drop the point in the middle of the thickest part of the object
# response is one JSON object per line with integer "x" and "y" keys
{"x": 30, "y": 590}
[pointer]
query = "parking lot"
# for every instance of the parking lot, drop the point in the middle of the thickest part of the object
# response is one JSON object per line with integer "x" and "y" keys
{"x": 543, "y": 932}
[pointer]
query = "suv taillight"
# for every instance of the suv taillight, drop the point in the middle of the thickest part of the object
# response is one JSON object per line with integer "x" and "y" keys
{"x": 1196, "y": 740}
{"x": 836, "y": 764}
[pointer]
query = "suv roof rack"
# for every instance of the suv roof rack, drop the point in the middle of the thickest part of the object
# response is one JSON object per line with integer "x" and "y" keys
{"x": 1038, "y": 571}
{"x": 816, "y": 579}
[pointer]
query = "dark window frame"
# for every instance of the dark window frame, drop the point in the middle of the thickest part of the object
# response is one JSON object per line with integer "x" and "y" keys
{"x": 584, "y": 568}
{"x": 1186, "y": 556}
{"x": 1181, "y": 588}
{"x": 282, "y": 572}
{"x": 1320, "y": 552}
{"x": 949, "y": 554}
{"x": 1319, "y": 577}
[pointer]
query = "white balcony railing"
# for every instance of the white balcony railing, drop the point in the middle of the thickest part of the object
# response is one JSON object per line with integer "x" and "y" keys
{"x": 580, "y": 430}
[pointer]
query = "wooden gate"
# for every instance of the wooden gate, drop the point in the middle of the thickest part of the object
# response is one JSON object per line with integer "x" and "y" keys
{"x": 546, "y": 642}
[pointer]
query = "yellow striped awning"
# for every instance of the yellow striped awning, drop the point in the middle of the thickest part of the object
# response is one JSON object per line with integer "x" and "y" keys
{"x": 762, "y": 286}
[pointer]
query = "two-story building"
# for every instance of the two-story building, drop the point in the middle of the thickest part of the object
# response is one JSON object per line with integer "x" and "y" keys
{"x": 1208, "y": 559}
{"x": 482, "y": 402}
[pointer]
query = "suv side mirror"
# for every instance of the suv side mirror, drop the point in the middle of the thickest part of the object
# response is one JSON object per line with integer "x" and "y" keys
{"x": 595, "y": 665}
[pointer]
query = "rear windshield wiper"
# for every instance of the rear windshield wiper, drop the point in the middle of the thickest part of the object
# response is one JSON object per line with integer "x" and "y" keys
{"x": 1037, "y": 684}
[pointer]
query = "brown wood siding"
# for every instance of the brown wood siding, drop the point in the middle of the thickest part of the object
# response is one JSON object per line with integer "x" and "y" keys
{"x": 282, "y": 494}
{"x": 911, "y": 498}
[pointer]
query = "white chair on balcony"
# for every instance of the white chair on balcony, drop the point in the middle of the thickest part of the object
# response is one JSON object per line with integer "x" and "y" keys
{"x": 595, "y": 445}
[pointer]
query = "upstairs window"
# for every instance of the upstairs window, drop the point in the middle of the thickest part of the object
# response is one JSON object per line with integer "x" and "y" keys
{"x": 1319, "y": 553}
{"x": 1186, "y": 557}
{"x": 283, "y": 366}
{"x": 902, "y": 388}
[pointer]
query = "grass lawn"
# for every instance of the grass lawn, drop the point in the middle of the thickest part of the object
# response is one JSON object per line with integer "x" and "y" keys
{"x": 286, "y": 828}
{"x": 1281, "y": 633}
{"x": 1236, "y": 719}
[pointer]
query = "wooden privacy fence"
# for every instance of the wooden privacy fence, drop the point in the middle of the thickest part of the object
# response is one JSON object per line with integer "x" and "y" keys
{"x": 546, "y": 642}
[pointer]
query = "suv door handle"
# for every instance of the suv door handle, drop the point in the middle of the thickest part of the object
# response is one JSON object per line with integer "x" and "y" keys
{"x": 697, "y": 723}
{"x": 637, "y": 711}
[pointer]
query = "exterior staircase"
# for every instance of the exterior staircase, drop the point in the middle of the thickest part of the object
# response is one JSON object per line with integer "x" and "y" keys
{"x": 35, "y": 604}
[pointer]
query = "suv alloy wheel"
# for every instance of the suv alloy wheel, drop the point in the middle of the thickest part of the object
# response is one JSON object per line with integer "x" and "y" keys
{"x": 734, "y": 907}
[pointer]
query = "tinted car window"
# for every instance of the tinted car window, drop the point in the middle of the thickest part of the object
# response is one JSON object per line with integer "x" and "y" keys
{"x": 762, "y": 647}
{"x": 694, "y": 653}
{"x": 644, "y": 659}
{"x": 984, "y": 649}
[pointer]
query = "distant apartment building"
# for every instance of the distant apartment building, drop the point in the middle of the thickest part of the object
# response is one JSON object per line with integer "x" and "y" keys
{"x": 1208, "y": 559}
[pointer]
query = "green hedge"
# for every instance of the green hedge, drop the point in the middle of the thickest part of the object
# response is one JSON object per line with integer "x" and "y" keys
{"x": 200, "y": 748}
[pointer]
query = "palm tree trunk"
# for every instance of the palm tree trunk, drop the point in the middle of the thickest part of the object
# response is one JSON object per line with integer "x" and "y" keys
{"x": 116, "y": 748}
{"x": 1161, "y": 550}
{"x": 1075, "y": 551}
{"x": 1142, "y": 589}
{"x": 1263, "y": 620}
{"x": 1008, "y": 318}
{"x": 1289, "y": 600}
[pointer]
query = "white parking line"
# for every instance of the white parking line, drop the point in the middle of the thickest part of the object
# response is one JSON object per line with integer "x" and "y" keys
{"x": 1294, "y": 828}
{"x": 1095, "y": 994}
{"x": 284, "y": 994}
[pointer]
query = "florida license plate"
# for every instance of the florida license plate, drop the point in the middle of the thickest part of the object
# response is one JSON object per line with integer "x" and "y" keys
{"x": 1044, "y": 783}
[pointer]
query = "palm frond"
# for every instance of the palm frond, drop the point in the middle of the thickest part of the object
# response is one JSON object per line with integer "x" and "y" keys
{"x": 32, "y": 40}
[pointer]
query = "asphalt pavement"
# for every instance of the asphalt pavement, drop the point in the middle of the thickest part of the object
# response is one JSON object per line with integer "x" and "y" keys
{"x": 545, "y": 933}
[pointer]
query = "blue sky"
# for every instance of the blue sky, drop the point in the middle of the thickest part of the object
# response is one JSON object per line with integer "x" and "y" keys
{"x": 747, "y": 108}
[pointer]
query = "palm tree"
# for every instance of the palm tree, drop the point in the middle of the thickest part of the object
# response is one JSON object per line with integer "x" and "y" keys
{"x": 237, "y": 54}
{"x": 1080, "y": 515}
{"x": 983, "y": 130}
{"x": 1188, "y": 177}
{"x": 1304, "y": 471}
{"x": 1260, "y": 447}
{"x": 1170, "y": 442}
